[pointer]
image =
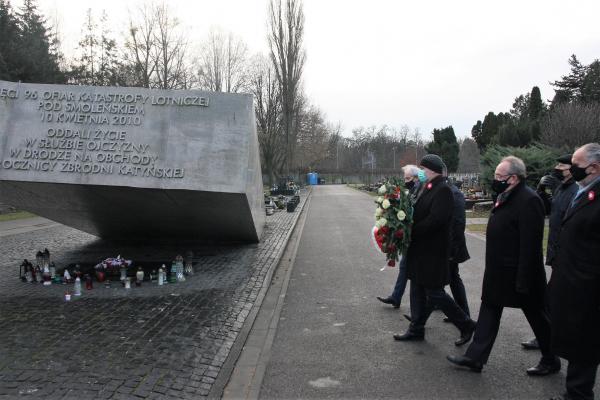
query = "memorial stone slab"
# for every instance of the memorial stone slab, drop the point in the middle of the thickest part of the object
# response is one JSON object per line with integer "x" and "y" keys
{"x": 131, "y": 163}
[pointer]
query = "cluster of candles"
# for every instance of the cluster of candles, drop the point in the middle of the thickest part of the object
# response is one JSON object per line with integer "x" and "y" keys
{"x": 45, "y": 272}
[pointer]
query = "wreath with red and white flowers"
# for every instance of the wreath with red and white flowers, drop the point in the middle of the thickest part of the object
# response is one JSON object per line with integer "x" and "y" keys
{"x": 393, "y": 220}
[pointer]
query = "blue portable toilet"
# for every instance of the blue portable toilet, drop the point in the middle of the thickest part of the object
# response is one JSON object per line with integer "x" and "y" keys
{"x": 312, "y": 178}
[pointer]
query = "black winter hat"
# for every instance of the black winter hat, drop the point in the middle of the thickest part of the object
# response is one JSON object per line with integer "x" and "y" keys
{"x": 433, "y": 162}
{"x": 565, "y": 159}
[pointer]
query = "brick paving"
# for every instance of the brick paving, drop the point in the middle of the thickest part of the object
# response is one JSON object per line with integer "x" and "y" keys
{"x": 148, "y": 342}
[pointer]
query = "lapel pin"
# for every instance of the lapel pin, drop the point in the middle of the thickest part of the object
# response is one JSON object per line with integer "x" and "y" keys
{"x": 591, "y": 195}
{"x": 429, "y": 185}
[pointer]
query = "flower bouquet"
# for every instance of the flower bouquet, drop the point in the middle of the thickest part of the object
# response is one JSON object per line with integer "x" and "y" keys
{"x": 393, "y": 220}
{"x": 112, "y": 266}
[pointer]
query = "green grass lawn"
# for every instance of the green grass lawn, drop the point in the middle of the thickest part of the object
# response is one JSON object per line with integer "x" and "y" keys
{"x": 478, "y": 214}
{"x": 356, "y": 187}
{"x": 480, "y": 228}
{"x": 16, "y": 215}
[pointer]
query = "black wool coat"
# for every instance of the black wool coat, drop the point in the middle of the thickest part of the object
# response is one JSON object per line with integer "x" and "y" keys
{"x": 429, "y": 249}
{"x": 514, "y": 265}
{"x": 458, "y": 245}
{"x": 560, "y": 203}
{"x": 574, "y": 289}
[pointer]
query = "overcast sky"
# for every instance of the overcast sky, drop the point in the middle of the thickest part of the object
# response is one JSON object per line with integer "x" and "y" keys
{"x": 427, "y": 64}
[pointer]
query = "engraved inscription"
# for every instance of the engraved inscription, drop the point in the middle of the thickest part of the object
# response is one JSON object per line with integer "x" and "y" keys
{"x": 88, "y": 133}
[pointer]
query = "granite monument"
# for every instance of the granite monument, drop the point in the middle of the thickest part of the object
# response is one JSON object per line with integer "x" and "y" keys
{"x": 131, "y": 163}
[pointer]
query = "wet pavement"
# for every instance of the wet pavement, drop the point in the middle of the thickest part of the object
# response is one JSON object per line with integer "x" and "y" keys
{"x": 335, "y": 340}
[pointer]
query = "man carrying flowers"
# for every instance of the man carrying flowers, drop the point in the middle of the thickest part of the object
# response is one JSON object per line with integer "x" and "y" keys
{"x": 428, "y": 254}
{"x": 413, "y": 176}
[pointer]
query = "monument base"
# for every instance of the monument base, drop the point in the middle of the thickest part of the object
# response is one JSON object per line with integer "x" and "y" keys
{"x": 129, "y": 213}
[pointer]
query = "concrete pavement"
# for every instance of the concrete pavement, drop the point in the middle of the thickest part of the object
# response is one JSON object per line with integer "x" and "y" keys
{"x": 334, "y": 339}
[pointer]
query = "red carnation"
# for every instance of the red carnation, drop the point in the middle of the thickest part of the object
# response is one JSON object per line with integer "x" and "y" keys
{"x": 392, "y": 263}
{"x": 399, "y": 233}
{"x": 392, "y": 248}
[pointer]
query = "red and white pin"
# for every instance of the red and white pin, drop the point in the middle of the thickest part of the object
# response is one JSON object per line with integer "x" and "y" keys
{"x": 429, "y": 185}
{"x": 591, "y": 195}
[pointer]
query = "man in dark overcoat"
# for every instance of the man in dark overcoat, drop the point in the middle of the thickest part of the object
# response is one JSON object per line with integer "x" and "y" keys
{"x": 561, "y": 201}
{"x": 514, "y": 268}
{"x": 458, "y": 248}
{"x": 428, "y": 254}
{"x": 574, "y": 289}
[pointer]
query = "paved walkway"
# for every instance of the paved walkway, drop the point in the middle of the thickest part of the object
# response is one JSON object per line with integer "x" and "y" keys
{"x": 334, "y": 339}
{"x": 168, "y": 342}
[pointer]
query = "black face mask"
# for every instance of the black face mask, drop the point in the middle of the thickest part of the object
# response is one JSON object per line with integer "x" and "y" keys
{"x": 500, "y": 186}
{"x": 579, "y": 173}
{"x": 409, "y": 185}
{"x": 558, "y": 174}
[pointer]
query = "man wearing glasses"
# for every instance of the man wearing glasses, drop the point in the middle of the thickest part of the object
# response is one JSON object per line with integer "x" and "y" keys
{"x": 574, "y": 289}
{"x": 514, "y": 268}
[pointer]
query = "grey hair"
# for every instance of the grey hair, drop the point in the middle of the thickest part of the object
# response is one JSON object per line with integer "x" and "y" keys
{"x": 592, "y": 152}
{"x": 411, "y": 169}
{"x": 516, "y": 166}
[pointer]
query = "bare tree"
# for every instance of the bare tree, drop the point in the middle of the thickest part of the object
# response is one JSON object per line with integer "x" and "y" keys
{"x": 139, "y": 47}
{"x": 156, "y": 50}
{"x": 468, "y": 156}
{"x": 97, "y": 63}
{"x": 286, "y": 31}
{"x": 313, "y": 138}
{"x": 267, "y": 107}
{"x": 223, "y": 63}
{"x": 570, "y": 125}
{"x": 170, "y": 52}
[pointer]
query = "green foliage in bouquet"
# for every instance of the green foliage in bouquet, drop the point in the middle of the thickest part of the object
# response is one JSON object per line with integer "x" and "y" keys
{"x": 393, "y": 219}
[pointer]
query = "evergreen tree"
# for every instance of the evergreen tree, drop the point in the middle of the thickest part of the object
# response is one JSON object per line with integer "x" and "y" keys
{"x": 536, "y": 107}
{"x": 489, "y": 129}
{"x": 590, "y": 88}
{"x": 520, "y": 107}
{"x": 97, "y": 64}
{"x": 445, "y": 145}
{"x": 37, "y": 56}
{"x": 9, "y": 36}
{"x": 571, "y": 84}
{"x": 476, "y": 132}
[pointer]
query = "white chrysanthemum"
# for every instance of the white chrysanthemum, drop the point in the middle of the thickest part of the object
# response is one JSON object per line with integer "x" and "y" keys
{"x": 381, "y": 222}
{"x": 382, "y": 189}
{"x": 401, "y": 215}
{"x": 380, "y": 199}
{"x": 385, "y": 204}
{"x": 378, "y": 212}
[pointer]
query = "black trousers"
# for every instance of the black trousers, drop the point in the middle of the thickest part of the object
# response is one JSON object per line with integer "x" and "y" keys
{"x": 422, "y": 301}
{"x": 457, "y": 288}
{"x": 488, "y": 324}
{"x": 581, "y": 378}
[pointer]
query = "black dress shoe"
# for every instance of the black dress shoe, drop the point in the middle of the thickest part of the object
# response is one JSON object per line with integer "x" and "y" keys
{"x": 465, "y": 361}
{"x": 531, "y": 344}
{"x": 408, "y": 317}
{"x": 543, "y": 369}
{"x": 410, "y": 336}
{"x": 466, "y": 334}
{"x": 388, "y": 300}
